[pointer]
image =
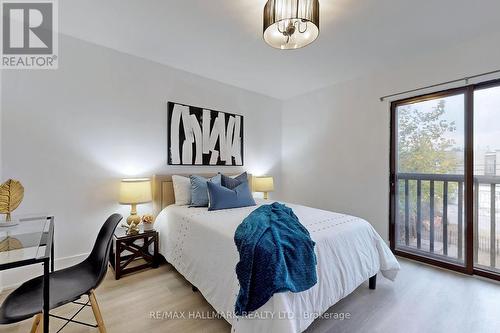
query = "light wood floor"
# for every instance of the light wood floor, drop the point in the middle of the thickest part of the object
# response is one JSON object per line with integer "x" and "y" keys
{"x": 423, "y": 299}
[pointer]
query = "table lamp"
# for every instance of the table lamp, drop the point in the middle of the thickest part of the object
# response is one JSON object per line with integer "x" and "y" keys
{"x": 263, "y": 184}
{"x": 135, "y": 192}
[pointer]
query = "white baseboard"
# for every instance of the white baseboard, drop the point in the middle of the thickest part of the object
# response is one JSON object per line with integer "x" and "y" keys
{"x": 13, "y": 278}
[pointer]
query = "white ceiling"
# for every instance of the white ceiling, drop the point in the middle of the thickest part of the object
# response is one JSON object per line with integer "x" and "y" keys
{"x": 222, "y": 39}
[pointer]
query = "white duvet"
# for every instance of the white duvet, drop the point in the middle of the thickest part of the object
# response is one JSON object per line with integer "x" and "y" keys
{"x": 200, "y": 245}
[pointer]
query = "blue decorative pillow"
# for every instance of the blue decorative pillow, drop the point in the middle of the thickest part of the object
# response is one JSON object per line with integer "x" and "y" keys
{"x": 223, "y": 198}
{"x": 199, "y": 195}
{"x": 231, "y": 183}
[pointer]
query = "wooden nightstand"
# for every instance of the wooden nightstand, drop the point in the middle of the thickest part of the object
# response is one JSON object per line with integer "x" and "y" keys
{"x": 126, "y": 249}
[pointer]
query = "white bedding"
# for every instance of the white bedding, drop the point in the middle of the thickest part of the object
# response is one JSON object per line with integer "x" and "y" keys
{"x": 200, "y": 245}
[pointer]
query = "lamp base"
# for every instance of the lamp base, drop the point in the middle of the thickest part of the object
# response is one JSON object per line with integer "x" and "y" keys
{"x": 133, "y": 218}
{"x": 266, "y": 196}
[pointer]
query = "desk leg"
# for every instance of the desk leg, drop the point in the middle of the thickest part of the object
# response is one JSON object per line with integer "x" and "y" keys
{"x": 52, "y": 258}
{"x": 46, "y": 294}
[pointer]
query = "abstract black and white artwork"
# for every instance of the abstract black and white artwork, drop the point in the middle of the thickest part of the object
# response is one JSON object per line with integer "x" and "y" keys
{"x": 199, "y": 136}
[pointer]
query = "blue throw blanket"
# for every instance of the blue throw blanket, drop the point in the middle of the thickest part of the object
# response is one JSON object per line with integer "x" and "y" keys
{"x": 276, "y": 255}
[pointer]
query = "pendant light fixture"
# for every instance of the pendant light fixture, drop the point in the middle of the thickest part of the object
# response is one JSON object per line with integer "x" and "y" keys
{"x": 291, "y": 24}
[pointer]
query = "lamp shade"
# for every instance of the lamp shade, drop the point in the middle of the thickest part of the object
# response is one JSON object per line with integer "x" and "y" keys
{"x": 135, "y": 191}
{"x": 291, "y": 24}
{"x": 263, "y": 184}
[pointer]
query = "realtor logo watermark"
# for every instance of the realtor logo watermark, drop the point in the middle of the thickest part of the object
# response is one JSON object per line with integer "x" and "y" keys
{"x": 29, "y": 34}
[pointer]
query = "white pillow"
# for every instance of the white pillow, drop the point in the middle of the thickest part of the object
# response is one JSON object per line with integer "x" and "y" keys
{"x": 182, "y": 190}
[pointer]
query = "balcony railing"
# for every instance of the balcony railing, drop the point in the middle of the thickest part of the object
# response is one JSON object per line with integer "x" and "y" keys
{"x": 431, "y": 216}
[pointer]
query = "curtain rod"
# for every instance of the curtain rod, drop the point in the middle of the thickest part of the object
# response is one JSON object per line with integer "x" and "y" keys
{"x": 466, "y": 79}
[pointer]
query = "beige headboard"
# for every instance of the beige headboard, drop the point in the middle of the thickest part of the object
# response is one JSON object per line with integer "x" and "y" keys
{"x": 163, "y": 190}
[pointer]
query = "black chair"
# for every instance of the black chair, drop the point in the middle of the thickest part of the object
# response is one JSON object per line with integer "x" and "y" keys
{"x": 66, "y": 285}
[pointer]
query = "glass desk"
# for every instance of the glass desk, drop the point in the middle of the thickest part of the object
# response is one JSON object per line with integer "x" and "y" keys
{"x": 27, "y": 243}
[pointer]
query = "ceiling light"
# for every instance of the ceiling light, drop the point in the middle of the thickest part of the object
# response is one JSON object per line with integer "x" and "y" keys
{"x": 291, "y": 24}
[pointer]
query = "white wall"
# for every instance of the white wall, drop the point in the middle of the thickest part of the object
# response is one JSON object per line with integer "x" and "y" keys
{"x": 70, "y": 134}
{"x": 1, "y": 177}
{"x": 336, "y": 140}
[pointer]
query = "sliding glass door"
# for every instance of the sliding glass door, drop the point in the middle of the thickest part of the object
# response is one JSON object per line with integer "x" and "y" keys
{"x": 430, "y": 176}
{"x": 487, "y": 178}
{"x": 445, "y": 179}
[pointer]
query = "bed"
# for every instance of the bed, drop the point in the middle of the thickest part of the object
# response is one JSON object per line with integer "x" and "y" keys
{"x": 200, "y": 245}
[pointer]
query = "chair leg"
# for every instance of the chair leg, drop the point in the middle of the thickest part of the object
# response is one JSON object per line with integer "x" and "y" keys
{"x": 36, "y": 322}
{"x": 37, "y": 326}
{"x": 97, "y": 312}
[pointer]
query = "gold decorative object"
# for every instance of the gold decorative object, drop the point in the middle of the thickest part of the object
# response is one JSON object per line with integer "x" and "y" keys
{"x": 11, "y": 195}
{"x": 148, "y": 221}
{"x": 132, "y": 228}
{"x": 10, "y": 243}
